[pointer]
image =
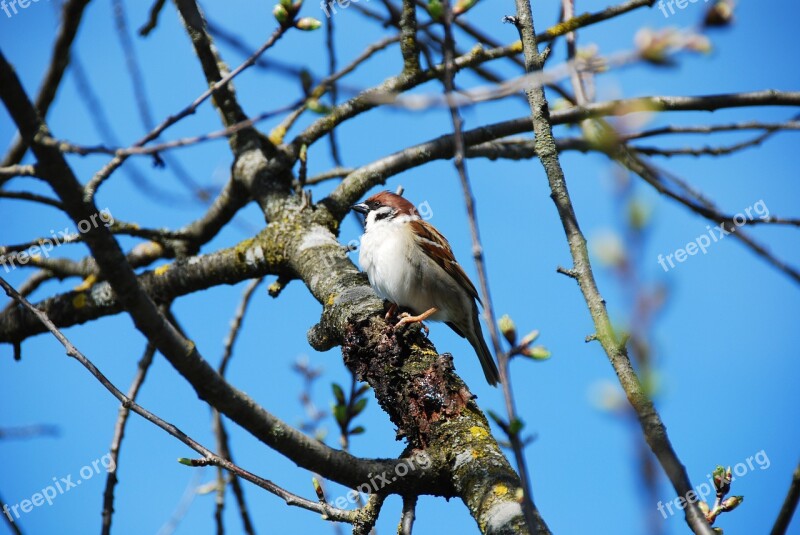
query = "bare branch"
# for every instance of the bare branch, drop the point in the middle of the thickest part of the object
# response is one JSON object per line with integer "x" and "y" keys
{"x": 119, "y": 433}
{"x": 652, "y": 426}
{"x": 71, "y": 17}
{"x": 789, "y": 505}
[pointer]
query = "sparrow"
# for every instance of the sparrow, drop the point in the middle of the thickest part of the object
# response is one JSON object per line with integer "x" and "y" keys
{"x": 409, "y": 263}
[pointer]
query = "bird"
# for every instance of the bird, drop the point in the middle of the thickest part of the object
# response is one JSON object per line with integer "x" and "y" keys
{"x": 410, "y": 263}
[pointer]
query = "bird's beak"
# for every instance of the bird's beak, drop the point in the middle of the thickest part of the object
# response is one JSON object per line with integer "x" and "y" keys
{"x": 360, "y": 208}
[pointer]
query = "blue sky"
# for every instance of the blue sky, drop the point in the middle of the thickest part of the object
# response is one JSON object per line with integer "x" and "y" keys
{"x": 725, "y": 343}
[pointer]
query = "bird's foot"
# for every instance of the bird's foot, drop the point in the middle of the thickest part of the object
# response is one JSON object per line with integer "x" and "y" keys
{"x": 406, "y": 318}
{"x": 391, "y": 312}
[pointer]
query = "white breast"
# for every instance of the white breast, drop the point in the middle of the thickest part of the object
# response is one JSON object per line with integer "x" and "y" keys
{"x": 397, "y": 271}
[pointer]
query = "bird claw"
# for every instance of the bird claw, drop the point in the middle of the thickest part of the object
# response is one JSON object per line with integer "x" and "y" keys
{"x": 406, "y": 318}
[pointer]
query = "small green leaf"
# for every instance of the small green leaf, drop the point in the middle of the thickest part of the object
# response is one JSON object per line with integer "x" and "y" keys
{"x": 516, "y": 426}
{"x": 306, "y": 80}
{"x": 359, "y": 406}
{"x": 338, "y": 393}
{"x": 362, "y": 389}
{"x": 359, "y": 429}
{"x": 497, "y": 419}
{"x": 340, "y": 413}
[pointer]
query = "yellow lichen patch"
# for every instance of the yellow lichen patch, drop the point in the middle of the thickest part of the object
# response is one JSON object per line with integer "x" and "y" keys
{"x": 86, "y": 284}
{"x": 568, "y": 25}
{"x": 478, "y": 432}
{"x": 79, "y": 301}
{"x": 160, "y": 270}
{"x": 277, "y": 135}
{"x": 500, "y": 490}
{"x": 475, "y": 454}
{"x": 331, "y": 299}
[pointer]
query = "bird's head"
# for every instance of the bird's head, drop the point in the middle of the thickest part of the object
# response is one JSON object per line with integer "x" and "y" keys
{"x": 385, "y": 206}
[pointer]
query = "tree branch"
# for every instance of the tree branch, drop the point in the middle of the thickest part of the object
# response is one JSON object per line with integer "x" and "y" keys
{"x": 654, "y": 430}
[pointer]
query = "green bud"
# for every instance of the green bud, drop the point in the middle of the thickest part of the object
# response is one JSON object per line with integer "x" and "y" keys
{"x": 722, "y": 480}
{"x": 462, "y": 6}
{"x": 720, "y": 14}
{"x": 318, "y": 489}
{"x": 509, "y": 330}
{"x": 287, "y": 4}
{"x": 536, "y": 352}
{"x": 281, "y": 14}
{"x": 185, "y": 461}
{"x": 307, "y": 24}
{"x": 530, "y": 338}
{"x": 732, "y": 503}
{"x": 435, "y": 9}
{"x": 638, "y": 214}
{"x": 317, "y": 107}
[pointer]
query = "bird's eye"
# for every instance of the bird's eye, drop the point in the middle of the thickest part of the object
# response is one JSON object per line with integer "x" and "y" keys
{"x": 382, "y": 213}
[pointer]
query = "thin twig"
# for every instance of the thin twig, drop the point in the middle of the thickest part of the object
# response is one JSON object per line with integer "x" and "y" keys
{"x": 789, "y": 505}
{"x": 25, "y": 196}
{"x": 71, "y": 17}
{"x": 103, "y": 174}
{"x": 12, "y": 524}
{"x": 218, "y": 426}
{"x": 119, "y": 433}
{"x": 480, "y": 264}
{"x": 152, "y": 18}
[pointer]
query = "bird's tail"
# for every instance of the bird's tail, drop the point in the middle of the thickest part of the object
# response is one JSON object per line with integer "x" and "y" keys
{"x": 475, "y": 338}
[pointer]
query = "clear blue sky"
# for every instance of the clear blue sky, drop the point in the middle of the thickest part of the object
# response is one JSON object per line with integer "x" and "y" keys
{"x": 726, "y": 343}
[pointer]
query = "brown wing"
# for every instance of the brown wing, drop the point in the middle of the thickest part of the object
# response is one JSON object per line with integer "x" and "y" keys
{"x": 436, "y": 247}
